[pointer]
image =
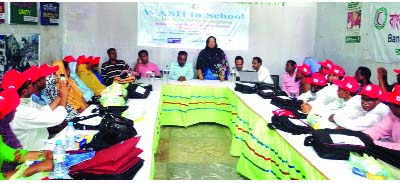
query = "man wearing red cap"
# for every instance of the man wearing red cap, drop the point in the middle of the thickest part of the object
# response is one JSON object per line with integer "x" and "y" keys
{"x": 317, "y": 81}
{"x": 289, "y": 85}
{"x": 9, "y": 100}
{"x": 389, "y": 127}
{"x": 382, "y": 78}
{"x": 303, "y": 71}
{"x": 325, "y": 66}
{"x": 369, "y": 111}
{"x": 32, "y": 120}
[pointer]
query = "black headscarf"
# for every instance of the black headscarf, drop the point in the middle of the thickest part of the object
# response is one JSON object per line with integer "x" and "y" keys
{"x": 210, "y": 57}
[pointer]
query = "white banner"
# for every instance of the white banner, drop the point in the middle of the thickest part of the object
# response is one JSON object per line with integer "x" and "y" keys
{"x": 187, "y": 25}
{"x": 385, "y": 32}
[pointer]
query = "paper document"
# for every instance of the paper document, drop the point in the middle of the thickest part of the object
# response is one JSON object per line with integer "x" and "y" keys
{"x": 344, "y": 139}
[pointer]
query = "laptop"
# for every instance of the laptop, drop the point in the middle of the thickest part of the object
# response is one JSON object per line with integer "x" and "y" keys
{"x": 248, "y": 76}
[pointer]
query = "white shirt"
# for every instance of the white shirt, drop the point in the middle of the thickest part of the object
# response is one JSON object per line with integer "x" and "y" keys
{"x": 31, "y": 122}
{"x": 305, "y": 97}
{"x": 326, "y": 101}
{"x": 356, "y": 118}
{"x": 264, "y": 75}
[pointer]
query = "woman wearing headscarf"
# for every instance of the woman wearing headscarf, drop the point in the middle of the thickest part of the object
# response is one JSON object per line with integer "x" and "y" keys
{"x": 75, "y": 97}
{"x": 85, "y": 72}
{"x": 9, "y": 100}
{"x": 212, "y": 63}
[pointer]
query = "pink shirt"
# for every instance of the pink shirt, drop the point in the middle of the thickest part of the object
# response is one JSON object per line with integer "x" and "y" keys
{"x": 289, "y": 85}
{"x": 143, "y": 68}
{"x": 388, "y": 127}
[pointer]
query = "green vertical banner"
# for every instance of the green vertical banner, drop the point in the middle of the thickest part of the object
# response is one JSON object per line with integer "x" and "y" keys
{"x": 23, "y": 13}
{"x": 353, "y": 22}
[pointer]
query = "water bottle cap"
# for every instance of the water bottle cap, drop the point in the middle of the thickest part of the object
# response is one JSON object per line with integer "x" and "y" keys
{"x": 58, "y": 142}
{"x": 70, "y": 123}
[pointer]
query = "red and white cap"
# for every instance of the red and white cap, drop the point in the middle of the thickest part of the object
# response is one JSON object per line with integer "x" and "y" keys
{"x": 13, "y": 79}
{"x": 348, "y": 83}
{"x": 9, "y": 101}
{"x": 392, "y": 97}
{"x": 316, "y": 79}
{"x": 336, "y": 70}
{"x": 327, "y": 64}
{"x": 32, "y": 73}
{"x": 372, "y": 91}
{"x": 82, "y": 59}
{"x": 396, "y": 71}
{"x": 283, "y": 112}
{"x": 305, "y": 69}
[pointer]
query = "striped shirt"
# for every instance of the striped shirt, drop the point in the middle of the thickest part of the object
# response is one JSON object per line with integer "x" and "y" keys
{"x": 109, "y": 70}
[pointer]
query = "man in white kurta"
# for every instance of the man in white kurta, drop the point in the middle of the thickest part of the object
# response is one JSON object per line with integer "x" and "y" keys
{"x": 32, "y": 120}
{"x": 364, "y": 114}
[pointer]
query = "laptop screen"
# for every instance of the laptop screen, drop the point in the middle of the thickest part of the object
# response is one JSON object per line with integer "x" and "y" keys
{"x": 248, "y": 76}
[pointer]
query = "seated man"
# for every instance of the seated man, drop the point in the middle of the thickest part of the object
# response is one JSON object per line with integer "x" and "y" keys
{"x": 31, "y": 120}
{"x": 143, "y": 65}
{"x": 263, "y": 73}
{"x": 289, "y": 84}
{"x": 317, "y": 82}
{"x": 329, "y": 93}
{"x": 239, "y": 66}
{"x": 303, "y": 72}
{"x": 325, "y": 66}
{"x": 86, "y": 71}
{"x": 75, "y": 97}
{"x": 382, "y": 78}
{"x": 386, "y": 133}
{"x": 181, "y": 70}
{"x": 9, "y": 100}
{"x": 112, "y": 69}
{"x": 369, "y": 112}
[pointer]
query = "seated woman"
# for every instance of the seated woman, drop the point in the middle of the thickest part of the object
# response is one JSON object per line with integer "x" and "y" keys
{"x": 212, "y": 63}
{"x": 85, "y": 72}
{"x": 75, "y": 97}
{"x": 9, "y": 100}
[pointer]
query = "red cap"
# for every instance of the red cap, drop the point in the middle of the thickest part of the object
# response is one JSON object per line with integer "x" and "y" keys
{"x": 69, "y": 59}
{"x": 327, "y": 64}
{"x": 392, "y": 97}
{"x": 316, "y": 79}
{"x": 94, "y": 61}
{"x": 348, "y": 83}
{"x": 283, "y": 112}
{"x": 336, "y": 70}
{"x": 396, "y": 71}
{"x": 372, "y": 91}
{"x": 9, "y": 101}
{"x": 82, "y": 59}
{"x": 46, "y": 69}
{"x": 305, "y": 69}
{"x": 32, "y": 73}
{"x": 13, "y": 79}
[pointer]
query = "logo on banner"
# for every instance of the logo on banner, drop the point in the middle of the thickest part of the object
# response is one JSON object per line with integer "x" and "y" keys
{"x": 380, "y": 18}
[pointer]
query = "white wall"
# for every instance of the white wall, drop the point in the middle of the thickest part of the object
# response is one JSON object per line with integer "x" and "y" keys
{"x": 50, "y": 37}
{"x": 330, "y": 40}
{"x": 277, "y": 34}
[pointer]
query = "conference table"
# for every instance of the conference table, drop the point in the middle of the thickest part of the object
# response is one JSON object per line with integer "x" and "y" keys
{"x": 264, "y": 154}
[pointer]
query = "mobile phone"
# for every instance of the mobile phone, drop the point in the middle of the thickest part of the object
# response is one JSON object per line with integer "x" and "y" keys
{"x": 62, "y": 77}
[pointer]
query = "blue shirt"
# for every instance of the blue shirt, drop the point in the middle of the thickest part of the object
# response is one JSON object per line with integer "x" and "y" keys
{"x": 178, "y": 71}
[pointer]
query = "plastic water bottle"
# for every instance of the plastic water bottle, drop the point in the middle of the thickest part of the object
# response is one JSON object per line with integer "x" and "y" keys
{"x": 233, "y": 75}
{"x": 70, "y": 137}
{"x": 166, "y": 74}
{"x": 59, "y": 160}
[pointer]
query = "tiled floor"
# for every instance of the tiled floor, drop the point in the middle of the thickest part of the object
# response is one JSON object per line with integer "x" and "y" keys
{"x": 199, "y": 152}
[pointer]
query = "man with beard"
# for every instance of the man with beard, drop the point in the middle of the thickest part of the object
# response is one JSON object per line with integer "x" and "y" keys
{"x": 366, "y": 114}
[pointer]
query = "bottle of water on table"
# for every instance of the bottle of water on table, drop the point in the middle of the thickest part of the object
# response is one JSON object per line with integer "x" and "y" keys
{"x": 70, "y": 137}
{"x": 166, "y": 74}
{"x": 59, "y": 161}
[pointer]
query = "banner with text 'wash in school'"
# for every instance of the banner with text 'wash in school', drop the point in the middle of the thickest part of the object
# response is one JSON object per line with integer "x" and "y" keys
{"x": 385, "y": 32}
{"x": 187, "y": 25}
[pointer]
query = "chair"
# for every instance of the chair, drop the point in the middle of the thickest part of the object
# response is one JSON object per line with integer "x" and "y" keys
{"x": 275, "y": 78}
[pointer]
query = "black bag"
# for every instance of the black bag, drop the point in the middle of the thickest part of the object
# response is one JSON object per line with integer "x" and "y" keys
{"x": 325, "y": 148}
{"x": 283, "y": 123}
{"x": 292, "y": 105}
{"x": 269, "y": 95}
{"x": 138, "y": 91}
{"x": 389, "y": 156}
{"x": 127, "y": 175}
{"x": 247, "y": 88}
{"x": 112, "y": 129}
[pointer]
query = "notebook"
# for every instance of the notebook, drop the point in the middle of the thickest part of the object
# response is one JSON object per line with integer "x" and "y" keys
{"x": 248, "y": 76}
